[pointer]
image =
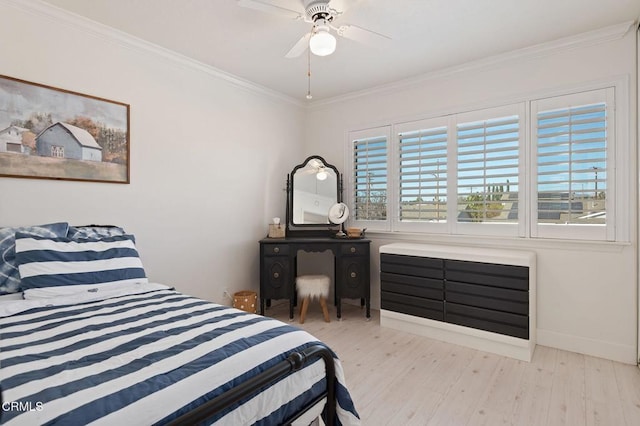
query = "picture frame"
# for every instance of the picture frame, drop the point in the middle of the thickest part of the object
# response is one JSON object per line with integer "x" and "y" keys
{"x": 52, "y": 133}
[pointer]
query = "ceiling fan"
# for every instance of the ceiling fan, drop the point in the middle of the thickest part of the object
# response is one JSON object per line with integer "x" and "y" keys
{"x": 321, "y": 15}
{"x": 316, "y": 167}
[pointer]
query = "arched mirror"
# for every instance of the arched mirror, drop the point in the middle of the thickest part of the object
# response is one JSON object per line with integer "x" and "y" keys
{"x": 314, "y": 186}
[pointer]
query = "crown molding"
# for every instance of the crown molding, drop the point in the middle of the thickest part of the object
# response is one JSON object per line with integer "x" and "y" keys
{"x": 104, "y": 32}
{"x": 109, "y": 34}
{"x": 602, "y": 35}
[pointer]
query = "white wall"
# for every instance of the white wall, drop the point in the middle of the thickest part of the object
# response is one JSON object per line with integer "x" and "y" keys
{"x": 587, "y": 292}
{"x": 209, "y": 157}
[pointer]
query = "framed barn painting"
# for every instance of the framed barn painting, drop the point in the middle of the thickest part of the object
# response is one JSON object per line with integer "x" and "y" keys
{"x": 50, "y": 133}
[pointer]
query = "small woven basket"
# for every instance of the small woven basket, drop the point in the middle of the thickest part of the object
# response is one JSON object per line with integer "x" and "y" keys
{"x": 246, "y": 301}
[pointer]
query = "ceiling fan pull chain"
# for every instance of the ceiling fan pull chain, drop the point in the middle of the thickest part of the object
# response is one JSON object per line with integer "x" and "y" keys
{"x": 309, "y": 96}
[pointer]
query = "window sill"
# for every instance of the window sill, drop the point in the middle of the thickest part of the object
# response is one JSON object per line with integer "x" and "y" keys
{"x": 499, "y": 242}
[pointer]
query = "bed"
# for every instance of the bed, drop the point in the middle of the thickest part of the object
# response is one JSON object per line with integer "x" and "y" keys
{"x": 105, "y": 346}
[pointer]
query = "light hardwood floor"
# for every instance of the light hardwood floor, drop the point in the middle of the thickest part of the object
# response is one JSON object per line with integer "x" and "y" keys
{"x": 398, "y": 378}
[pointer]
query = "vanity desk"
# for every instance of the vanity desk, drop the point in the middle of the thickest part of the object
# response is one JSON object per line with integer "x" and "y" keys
{"x": 278, "y": 268}
{"x": 314, "y": 223}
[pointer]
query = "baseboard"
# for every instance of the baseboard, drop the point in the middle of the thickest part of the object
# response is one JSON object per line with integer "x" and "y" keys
{"x": 598, "y": 348}
{"x": 464, "y": 336}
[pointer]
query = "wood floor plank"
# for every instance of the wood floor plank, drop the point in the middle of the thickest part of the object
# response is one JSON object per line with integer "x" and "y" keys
{"x": 501, "y": 391}
{"x": 601, "y": 391}
{"x": 398, "y": 378}
{"x": 418, "y": 408}
{"x": 383, "y": 367}
{"x": 567, "y": 403}
{"x": 463, "y": 399}
{"x": 628, "y": 381}
{"x": 402, "y": 407}
{"x": 532, "y": 399}
{"x": 544, "y": 358}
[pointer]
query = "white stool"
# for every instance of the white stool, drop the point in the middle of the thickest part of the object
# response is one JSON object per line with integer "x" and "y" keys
{"x": 309, "y": 287}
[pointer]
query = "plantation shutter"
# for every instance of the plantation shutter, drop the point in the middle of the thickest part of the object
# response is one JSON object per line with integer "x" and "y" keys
{"x": 572, "y": 164}
{"x": 423, "y": 175}
{"x": 370, "y": 178}
{"x": 488, "y": 172}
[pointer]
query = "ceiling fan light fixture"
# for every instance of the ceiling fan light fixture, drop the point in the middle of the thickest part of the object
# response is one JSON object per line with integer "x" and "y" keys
{"x": 322, "y": 42}
{"x": 322, "y": 174}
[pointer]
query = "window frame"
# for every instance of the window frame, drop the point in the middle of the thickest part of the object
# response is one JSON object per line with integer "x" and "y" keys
{"x": 620, "y": 181}
{"x": 517, "y": 229}
{"x": 574, "y": 231}
{"x": 57, "y": 151}
{"x": 419, "y": 226}
{"x": 349, "y": 194}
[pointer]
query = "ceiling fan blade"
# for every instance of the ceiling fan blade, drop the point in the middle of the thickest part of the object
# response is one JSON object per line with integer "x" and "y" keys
{"x": 353, "y": 32}
{"x": 265, "y": 6}
{"x": 299, "y": 48}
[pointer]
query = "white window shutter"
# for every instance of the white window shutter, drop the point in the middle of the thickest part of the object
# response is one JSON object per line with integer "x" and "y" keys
{"x": 368, "y": 189}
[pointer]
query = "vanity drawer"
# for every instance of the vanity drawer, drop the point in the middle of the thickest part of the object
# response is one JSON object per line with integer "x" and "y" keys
{"x": 355, "y": 249}
{"x": 276, "y": 249}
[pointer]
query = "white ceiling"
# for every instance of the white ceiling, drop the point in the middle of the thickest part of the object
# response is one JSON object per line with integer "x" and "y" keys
{"x": 427, "y": 35}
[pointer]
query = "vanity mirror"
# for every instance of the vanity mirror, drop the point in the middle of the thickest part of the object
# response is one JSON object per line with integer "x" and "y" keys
{"x": 313, "y": 187}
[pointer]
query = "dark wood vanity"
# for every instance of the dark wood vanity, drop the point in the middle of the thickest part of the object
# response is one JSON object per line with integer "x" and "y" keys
{"x": 278, "y": 268}
{"x": 313, "y": 187}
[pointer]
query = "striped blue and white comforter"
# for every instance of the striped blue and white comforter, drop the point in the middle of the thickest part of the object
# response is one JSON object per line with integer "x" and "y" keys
{"x": 146, "y": 356}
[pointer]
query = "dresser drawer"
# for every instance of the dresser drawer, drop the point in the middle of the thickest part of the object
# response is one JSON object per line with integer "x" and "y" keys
{"x": 495, "y": 298}
{"x": 425, "y": 267}
{"x": 412, "y": 286}
{"x": 276, "y": 249}
{"x": 410, "y": 305}
{"x": 354, "y": 249}
{"x": 488, "y": 320}
{"x": 489, "y": 274}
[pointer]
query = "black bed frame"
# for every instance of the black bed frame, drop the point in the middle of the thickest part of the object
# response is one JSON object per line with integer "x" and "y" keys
{"x": 294, "y": 362}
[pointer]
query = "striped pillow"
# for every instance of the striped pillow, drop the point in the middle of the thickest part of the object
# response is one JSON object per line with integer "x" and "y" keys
{"x": 9, "y": 276}
{"x": 51, "y": 262}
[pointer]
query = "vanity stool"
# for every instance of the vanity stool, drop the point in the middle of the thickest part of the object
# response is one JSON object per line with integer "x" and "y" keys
{"x": 309, "y": 287}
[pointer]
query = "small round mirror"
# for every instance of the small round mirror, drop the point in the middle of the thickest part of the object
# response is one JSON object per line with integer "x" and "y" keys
{"x": 338, "y": 213}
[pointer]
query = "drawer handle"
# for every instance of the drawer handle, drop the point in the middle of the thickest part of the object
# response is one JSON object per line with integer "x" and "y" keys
{"x": 276, "y": 250}
{"x": 353, "y": 275}
{"x": 353, "y": 249}
{"x": 276, "y": 275}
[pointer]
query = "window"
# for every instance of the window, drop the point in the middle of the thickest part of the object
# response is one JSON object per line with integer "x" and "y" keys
{"x": 369, "y": 180}
{"x": 474, "y": 155}
{"x": 488, "y": 170}
{"x": 420, "y": 155}
{"x": 571, "y": 136}
{"x": 57, "y": 151}
{"x": 423, "y": 175}
{"x": 540, "y": 168}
